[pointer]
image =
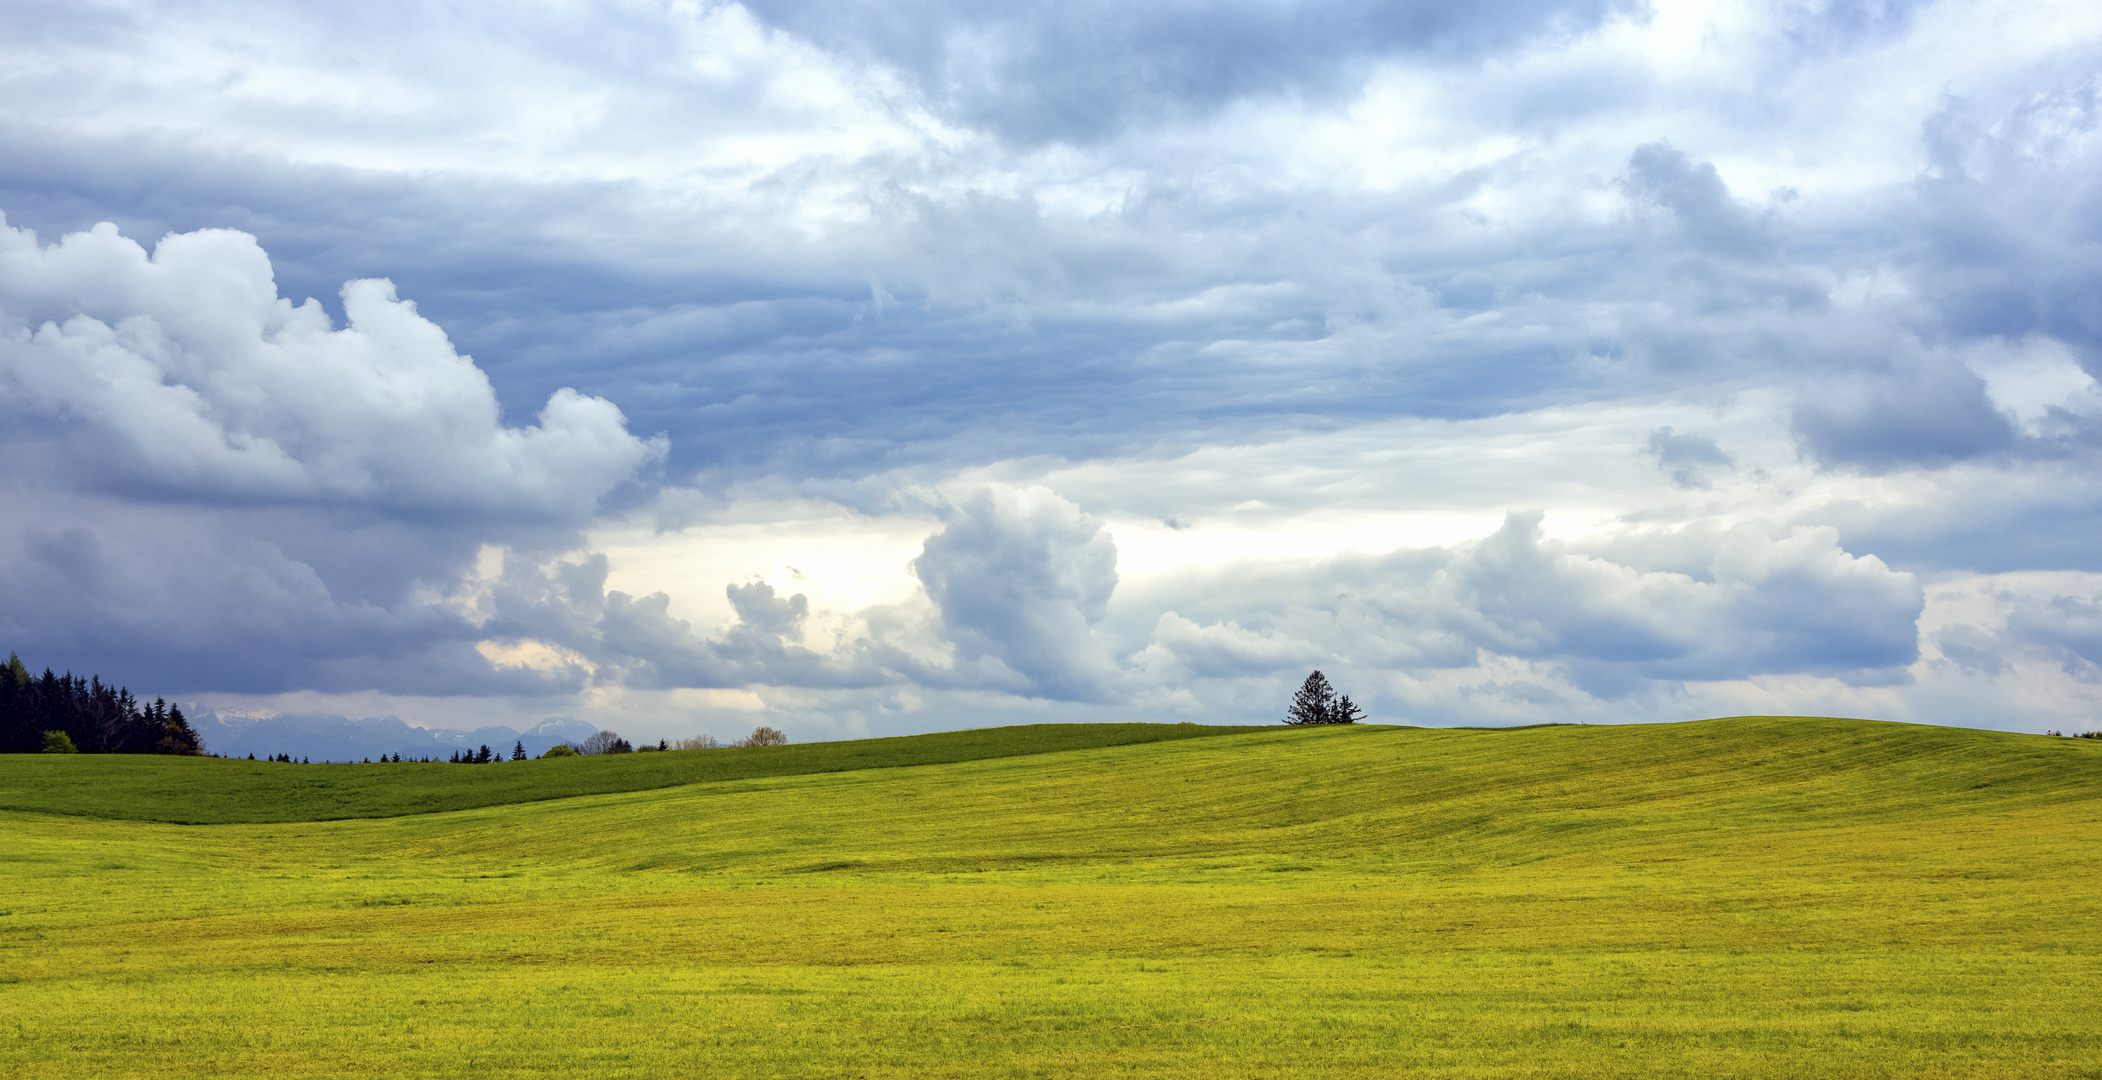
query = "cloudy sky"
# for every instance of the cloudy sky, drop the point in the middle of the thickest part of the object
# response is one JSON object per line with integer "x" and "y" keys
{"x": 874, "y": 368}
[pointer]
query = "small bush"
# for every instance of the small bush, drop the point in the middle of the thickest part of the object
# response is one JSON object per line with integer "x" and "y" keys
{"x": 58, "y": 742}
{"x": 559, "y": 750}
{"x": 699, "y": 742}
{"x": 763, "y": 736}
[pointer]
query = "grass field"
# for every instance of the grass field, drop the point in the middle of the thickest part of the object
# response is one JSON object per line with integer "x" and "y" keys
{"x": 1747, "y": 897}
{"x": 196, "y": 792}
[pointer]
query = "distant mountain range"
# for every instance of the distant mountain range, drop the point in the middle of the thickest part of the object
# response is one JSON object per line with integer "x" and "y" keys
{"x": 339, "y": 738}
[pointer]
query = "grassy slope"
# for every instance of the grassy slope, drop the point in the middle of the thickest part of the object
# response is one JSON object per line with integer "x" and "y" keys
{"x": 1747, "y": 897}
{"x": 210, "y": 792}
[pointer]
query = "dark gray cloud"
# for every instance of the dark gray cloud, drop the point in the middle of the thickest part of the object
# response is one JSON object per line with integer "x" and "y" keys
{"x": 186, "y": 604}
{"x": 2068, "y": 628}
{"x": 1694, "y": 193}
{"x": 2031, "y": 631}
{"x": 1822, "y": 26}
{"x": 2010, "y": 209}
{"x": 1973, "y": 649}
{"x": 1081, "y": 71}
{"x": 1922, "y": 414}
{"x": 1687, "y": 457}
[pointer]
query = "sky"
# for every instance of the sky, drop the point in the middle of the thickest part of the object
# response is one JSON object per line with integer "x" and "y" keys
{"x": 863, "y": 369}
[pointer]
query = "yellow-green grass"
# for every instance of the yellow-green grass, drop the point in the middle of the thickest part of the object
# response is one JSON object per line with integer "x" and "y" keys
{"x": 1746, "y": 897}
{"x": 195, "y": 791}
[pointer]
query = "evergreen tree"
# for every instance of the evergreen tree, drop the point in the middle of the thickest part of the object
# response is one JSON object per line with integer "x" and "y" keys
{"x": 1316, "y": 703}
{"x": 518, "y": 750}
{"x": 18, "y": 731}
{"x": 177, "y": 736}
{"x": 96, "y": 717}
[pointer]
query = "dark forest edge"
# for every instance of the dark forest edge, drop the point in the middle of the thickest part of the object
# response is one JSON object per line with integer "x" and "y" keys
{"x": 55, "y": 713}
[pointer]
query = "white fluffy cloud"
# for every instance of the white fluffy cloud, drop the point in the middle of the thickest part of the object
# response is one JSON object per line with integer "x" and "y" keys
{"x": 185, "y": 373}
{"x": 1020, "y": 577}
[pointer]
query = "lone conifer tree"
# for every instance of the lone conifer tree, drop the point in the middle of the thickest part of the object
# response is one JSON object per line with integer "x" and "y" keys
{"x": 1313, "y": 703}
{"x": 1317, "y": 703}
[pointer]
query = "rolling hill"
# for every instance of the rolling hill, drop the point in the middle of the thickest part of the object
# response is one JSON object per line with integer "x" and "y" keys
{"x": 1757, "y": 896}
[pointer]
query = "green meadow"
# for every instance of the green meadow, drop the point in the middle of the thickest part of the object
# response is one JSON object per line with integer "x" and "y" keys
{"x": 1751, "y": 897}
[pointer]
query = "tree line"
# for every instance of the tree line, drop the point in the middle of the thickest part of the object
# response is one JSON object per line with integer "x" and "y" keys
{"x": 70, "y": 714}
{"x": 605, "y": 742}
{"x": 484, "y": 756}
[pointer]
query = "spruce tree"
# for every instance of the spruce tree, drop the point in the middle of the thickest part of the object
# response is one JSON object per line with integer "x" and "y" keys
{"x": 177, "y": 736}
{"x": 1315, "y": 702}
{"x": 19, "y": 733}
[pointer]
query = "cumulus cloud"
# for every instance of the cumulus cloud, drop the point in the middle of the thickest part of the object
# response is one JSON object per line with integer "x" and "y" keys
{"x": 1799, "y": 603}
{"x": 1760, "y": 605}
{"x": 763, "y": 612}
{"x": 184, "y": 372}
{"x": 1020, "y": 576}
{"x": 1014, "y": 583}
{"x": 2056, "y": 628}
{"x": 223, "y": 489}
{"x": 1224, "y": 649}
